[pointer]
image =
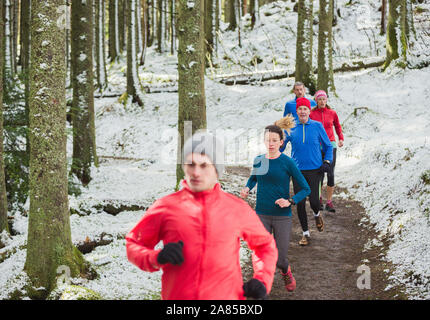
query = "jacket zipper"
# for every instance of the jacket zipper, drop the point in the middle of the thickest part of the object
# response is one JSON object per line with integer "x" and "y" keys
{"x": 304, "y": 132}
{"x": 204, "y": 233}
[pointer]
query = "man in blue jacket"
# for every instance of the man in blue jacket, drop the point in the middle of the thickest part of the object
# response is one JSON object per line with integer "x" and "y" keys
{"x": 307, "y": 139}
{"x": 299, "y": 90}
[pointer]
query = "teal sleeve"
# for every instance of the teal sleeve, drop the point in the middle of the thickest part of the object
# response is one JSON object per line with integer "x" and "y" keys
{"x": 305, "y": 190}
{"x": 252, "y": 181}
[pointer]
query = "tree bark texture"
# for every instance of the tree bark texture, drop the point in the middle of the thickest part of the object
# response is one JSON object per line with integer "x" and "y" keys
{"x": 191, "y": 68}
{"x": 113, "y": 30}
{"x": 3, "y": 199}
{"x": 304, "y": 72}
{"x": 325, "y": 46}
{"x": 84, "y": 144}
{"x": 396, "y": 44}
{"x": 133, "y": 83}
{"x": 49, "y": 242}
{"x": 100, "y": 55}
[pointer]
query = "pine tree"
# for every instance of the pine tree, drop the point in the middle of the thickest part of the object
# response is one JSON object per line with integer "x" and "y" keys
{"x": 397, "y": 33}
{"x": 191, "y": 68}
{"x": 100, "y": 45}
{"x": 231, "y": 15}
{"x": 122, "y": 10}
{"x": 3, "y": 199}
{"x": 304, "y": 70}
{"x": 84, "y": 142}
{"x": 209, "y": 34}
{"x": 49, "y": 242}
{"x": 8, "y": 52}
{"x": 113, "y": 30}
{"x": 325, "y": 46}
{"x": 133, "y": 83}
{"x": 159, "y": 28}
{"x": 144, "y": 30}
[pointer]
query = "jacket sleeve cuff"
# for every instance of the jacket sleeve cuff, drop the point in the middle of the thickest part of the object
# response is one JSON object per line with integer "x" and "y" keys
{"x": 153, "y": 259}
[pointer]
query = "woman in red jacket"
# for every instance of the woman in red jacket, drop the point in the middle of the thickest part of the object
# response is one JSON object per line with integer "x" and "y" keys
{"x": 328, "y": 117}
{"x": 201, "y": 227}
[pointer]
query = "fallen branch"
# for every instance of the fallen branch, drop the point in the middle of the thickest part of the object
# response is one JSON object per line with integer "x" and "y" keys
{"x": 272, "y": 75}
{"x": 89, "y": 245}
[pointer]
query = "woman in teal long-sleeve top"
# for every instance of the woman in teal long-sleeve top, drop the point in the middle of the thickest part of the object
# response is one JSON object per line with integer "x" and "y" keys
{"x": 272, "y": 172}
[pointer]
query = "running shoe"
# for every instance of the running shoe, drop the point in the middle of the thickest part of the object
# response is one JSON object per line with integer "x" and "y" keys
{"x": 319, "y": 222}
{"x": 305, "y": 240}
{"x": 290, "y": 282}
{"x": 329, "y": 207}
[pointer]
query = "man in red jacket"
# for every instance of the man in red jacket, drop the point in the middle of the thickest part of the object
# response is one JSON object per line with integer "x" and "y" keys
{"x": 201, "y": 227}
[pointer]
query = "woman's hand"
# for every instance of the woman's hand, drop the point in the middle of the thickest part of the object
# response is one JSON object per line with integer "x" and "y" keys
{"x": 283, "y": 203}
{"x": 340, "y": 143}
{"x": 244, "y": 192}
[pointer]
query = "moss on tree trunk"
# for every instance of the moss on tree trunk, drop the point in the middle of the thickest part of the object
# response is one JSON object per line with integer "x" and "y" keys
{"x": 3, "y": 200}
{"x": 49, "y": 242}
{"x": 325, "y": 46}
{"x": 191, "y": 68}
{"x": 304, "y": 72}
{"x": 208, "y": 21}
{"x": 396, "y": 44}
{"x": 84, "y": 144}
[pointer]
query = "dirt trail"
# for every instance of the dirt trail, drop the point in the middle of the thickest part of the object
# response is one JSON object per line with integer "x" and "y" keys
{"x": 327, "y": 268}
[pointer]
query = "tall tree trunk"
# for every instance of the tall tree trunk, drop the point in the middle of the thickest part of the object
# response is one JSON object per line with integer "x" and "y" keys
{"x": 84, "y": 144}
{"x": 383, "y": 15}
{"x": 159, "y": 28}
{"x": 14, "y": 29}
{"x": 8, "y": 66}
{"x": 100, "y": 45}
{"x": 49, "y": 242}
{"x": 409, "y": 24}
{"x": 113, "y": 30}
{"x": 151, "y": 22}
{"x": 231, "y": 15}
{"x": 239, "y": 18}
{"x": 191, "y": 68}
{"x": 133, "y": 83}
{"x": 25, "y": 57}
{"x": 304, "y": 71}
{"x": 325, "y": 46}
{"x": 396, "y": 44}
{"x": 252, "y": 12}
{"x": 217, "y": 19}
{"x": 3, "y": 199}
{"x": 209, "y": 36}
{"x": 172, "y": 26}
{"x": 144, "y": 30}
{"x": 121, "y": 24}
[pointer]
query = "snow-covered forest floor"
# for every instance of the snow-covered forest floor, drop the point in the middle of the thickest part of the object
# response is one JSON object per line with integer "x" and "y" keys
{"x": 384, "y": 163}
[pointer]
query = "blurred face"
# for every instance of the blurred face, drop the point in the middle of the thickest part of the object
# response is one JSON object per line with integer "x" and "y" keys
{"x": 299, "y": 91}
{"x": 303, "y": 112}
{"x": 273, "y": 142}
{"x": 200, "y": 172}
{"x": 321, "y": 102}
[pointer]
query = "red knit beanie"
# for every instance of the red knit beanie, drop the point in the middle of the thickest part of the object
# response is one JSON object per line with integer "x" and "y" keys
{"x": 303, "y": 102}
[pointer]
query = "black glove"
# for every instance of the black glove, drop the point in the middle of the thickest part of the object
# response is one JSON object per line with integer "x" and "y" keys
{"x": 254, "y": 289}
{"x": 325, "y": 167}
{"x": 171, "y": 253}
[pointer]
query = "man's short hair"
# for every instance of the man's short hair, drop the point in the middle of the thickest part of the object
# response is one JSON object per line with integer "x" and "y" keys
{"x": 298, "y": 83}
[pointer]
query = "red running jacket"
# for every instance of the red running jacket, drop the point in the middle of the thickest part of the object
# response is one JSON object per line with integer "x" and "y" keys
{"x": 210, "y": 223}
{"x": 328, "y": 118}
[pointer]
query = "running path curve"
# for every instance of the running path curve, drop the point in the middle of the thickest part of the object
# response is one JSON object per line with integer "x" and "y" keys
{"x": 327, "y": 268}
